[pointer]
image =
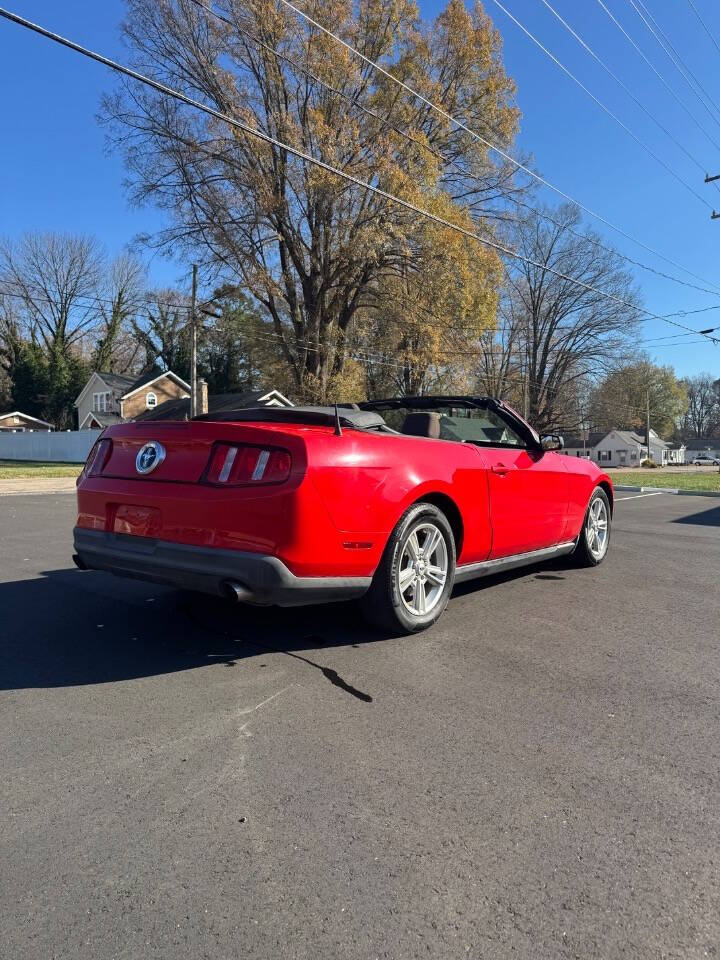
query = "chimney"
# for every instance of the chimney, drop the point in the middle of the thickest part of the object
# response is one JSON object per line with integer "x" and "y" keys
{"x": 202, "y": 396}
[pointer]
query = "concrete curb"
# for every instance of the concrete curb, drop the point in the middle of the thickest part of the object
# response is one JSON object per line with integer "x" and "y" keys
{"x": 673, "y": 490}
{"x": 32, "y": 486}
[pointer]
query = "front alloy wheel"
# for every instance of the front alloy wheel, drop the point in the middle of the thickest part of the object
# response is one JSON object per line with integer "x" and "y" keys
{"x": 594, "y": 537}
{"x": 597, "y": 528}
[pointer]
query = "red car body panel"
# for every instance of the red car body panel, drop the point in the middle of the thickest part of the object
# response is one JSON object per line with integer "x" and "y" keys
{"x": 334, "y": 514}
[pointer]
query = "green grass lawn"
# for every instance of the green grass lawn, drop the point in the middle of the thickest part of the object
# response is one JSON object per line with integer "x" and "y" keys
{"x": 708, "y": 480}
{"x": 18, "y": 469}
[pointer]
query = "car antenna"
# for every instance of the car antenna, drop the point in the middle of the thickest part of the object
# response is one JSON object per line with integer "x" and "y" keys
{"x": 338, "y": 428}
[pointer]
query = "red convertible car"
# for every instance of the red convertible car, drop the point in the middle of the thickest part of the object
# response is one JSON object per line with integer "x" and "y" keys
{"x": 390, "y": 501}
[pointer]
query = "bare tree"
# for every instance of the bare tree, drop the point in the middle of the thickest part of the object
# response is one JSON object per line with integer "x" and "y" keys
{"x": 703, "y": 412}
{"x": 557, "y": 334}
{"x": 497, "y": 369}
{"x": 307, "y": 246}
{"x": 123, "y": 294}
{"x": 163, "y": 336}
{"x": 52, "y": 276}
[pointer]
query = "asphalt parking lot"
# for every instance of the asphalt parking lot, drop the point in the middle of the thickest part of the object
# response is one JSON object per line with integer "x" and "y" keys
{"x": 535, "y": 777}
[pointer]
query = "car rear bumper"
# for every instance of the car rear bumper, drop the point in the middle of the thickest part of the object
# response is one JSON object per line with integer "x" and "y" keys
{"x": 250, "y": 577}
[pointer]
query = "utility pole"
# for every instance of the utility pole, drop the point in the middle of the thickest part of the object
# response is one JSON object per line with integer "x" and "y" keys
{"x": 648, "y": 423}
{"x": 714, "y": 215}
{"x": 193, "y": 345}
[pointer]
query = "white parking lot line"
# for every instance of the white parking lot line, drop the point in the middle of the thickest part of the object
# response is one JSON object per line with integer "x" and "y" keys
{"x": 638, "y": 496}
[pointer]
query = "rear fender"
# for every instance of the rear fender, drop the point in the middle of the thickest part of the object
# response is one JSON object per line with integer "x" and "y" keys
{"x": 468, "y": 495}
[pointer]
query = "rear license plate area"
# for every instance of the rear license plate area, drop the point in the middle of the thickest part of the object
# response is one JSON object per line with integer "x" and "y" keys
{"x": 136, "y": 521}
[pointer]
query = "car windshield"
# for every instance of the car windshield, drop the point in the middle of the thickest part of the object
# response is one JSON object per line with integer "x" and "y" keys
{"x": 461, "y": 424}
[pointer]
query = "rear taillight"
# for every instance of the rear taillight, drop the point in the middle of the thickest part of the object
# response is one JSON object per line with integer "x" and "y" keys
{"x": 97, "y": 459}
{"x": 236, "y": 464}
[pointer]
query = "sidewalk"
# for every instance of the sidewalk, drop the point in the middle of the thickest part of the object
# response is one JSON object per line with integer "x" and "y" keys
{"x": 29, "y": 486}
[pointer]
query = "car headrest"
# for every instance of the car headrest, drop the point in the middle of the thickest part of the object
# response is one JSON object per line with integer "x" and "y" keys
{"x": 422, "y": 424}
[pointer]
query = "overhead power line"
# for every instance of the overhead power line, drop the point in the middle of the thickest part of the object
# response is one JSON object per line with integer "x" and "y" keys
{"x": 144, "y": 302}
{"x": 624, "y": 86}
{"x": 657, "y": 73}
{"x": 675, "y": 58}
{"x": 704, "y": 25}
{"x": 476, "y": 136}
{"x": 267, "y": 138}
{"x": 353, "y": 101}
{"x": 604, "y": 107}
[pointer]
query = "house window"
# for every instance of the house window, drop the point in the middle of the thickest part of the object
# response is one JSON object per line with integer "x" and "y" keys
{"x": 633, "y": 455}
{"x": 101, "y": 402}
{"x": 150, "y": 401}
{"x": 604, "y": 455}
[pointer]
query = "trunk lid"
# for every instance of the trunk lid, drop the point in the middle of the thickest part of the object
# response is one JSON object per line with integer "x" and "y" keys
{"x": 179, "y": 452}
{"x": 174, "y": 452}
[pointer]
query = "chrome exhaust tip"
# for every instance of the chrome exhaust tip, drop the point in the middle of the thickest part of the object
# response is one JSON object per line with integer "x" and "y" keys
{"x": 237, "y": 592}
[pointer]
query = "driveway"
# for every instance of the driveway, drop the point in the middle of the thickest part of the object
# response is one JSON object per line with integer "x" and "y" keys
{"x": 536, "y": 777}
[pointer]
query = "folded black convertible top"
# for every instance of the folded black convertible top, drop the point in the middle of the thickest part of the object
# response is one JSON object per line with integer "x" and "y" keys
{"x": 429, "y": 403}
{"x": 318, "y": 416}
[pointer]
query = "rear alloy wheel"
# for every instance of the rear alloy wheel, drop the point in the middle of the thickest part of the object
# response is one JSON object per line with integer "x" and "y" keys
{"x": 413, "y": 582}
{"x": 595, "y": 535}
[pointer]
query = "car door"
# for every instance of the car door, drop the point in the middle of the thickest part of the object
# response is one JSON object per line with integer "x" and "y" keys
{"x": 529, "y": 493}
{"x": 529, "y": 487}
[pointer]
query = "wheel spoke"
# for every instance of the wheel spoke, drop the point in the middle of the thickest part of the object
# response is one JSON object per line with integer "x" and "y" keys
{"x": 436, "y": 574}
{"x": 413, "y": 546}
{"x": 419, "y": 597}
{"x": 431, "y": 542}
{"x": 405, "y": 578}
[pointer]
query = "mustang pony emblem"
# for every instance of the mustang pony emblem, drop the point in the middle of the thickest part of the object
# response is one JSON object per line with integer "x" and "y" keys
{"x": 149, "y": 456}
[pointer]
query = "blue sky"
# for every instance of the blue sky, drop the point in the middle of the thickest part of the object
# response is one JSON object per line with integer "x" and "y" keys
{"x": 56, "y": 175}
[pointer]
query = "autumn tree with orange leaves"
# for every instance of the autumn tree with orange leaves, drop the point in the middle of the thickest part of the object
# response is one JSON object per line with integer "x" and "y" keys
{"x": 337, "y": 268}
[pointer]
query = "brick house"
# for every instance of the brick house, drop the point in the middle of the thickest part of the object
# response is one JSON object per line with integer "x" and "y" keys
{"x": 109, "y": 398}
{"x": 17, "y": 422}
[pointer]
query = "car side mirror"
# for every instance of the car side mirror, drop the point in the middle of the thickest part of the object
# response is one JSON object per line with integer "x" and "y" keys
{"x": 551, "y": 441}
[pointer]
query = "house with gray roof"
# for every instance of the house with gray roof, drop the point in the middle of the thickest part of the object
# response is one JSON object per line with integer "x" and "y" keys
{"x": 624, "y": 448}
{"x": 218, "y": 403}
{"x": 109, "y": 398}
{"x": 703, "y": 447}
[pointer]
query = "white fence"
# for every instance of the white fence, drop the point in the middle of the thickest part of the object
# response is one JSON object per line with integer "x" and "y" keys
{"x": 70, "y": 447}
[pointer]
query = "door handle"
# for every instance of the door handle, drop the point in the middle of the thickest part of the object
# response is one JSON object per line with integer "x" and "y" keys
{"x": 501, "y": 469}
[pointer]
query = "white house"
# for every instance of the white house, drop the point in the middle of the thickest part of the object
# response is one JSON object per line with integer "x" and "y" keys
{"x": 676, "y": 453}
{"x": 582, "y": 446}
{"x": 702, "y": 446}
{"x": 622, "y": 448}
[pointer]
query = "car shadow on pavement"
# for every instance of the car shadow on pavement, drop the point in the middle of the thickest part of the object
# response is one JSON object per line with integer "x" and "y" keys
{"x": 68, "y": 628}
{"x": 71, "y": 628}
{"x": 705, "y": 518}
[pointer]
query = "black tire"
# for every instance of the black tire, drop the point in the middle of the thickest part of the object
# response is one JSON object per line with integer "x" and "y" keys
{"x": 586, "y": 552}
{"x": 383, "y": 605}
